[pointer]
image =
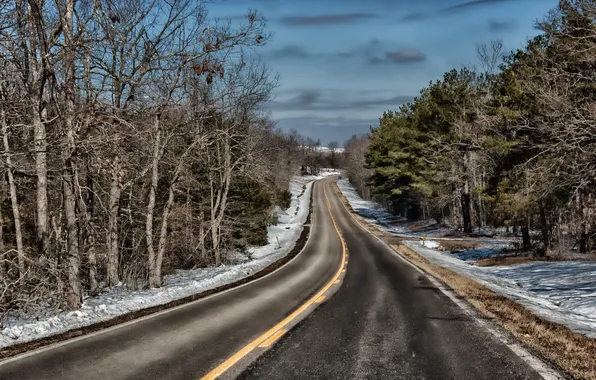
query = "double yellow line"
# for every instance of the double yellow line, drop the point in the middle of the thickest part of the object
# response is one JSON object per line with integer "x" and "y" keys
{"x": 274, "y": 333}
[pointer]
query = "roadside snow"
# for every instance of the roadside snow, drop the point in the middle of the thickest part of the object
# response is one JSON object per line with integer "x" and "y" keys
{"x": 118, "y": 301}
{"x": 562, "y": 292}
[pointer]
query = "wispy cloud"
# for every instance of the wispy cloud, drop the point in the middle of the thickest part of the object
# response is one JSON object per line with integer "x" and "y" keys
{"x": 372, "y": 47}
{"x": 339, "y": 18}
{"x": 315, "y": 100}
{"x": 400, "y": 57}
{"x": 457, "y": 8}
{"x": 500, "y": 25}
{"x": 291, "y": 51}
{"x": 367, "y": 50}
{"x": 327, "y": 128}
{"x": 470, "y": 4}
{"x": 415, "y": 16}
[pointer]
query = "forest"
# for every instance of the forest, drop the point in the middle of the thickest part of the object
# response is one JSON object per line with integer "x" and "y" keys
{"x": 510, "y": 144}
{"x": 135, "y": 141}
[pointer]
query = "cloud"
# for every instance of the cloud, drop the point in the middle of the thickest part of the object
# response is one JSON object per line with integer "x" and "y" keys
{"x": 367, "y": 50}
{"x": 457, "y": 8}
{"x": 372, "y": 47}
{"x": 339, "y": 18}
{"x": 470, "y": 4}
{"x": 315, "y": 100}
{"x": 500, "y": 25}
{"x": 290, "y": 51}
{"x": 327, "y": 129}
{"x": 305, "y": 98}
{"x": 415, "y": 16}
{"x": 400, "y": 57}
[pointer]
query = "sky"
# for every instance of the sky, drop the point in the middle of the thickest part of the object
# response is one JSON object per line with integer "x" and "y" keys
{"x": 342, "y": 63}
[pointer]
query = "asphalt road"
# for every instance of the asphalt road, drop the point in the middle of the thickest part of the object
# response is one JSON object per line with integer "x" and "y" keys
{"x": 189, "y": 341}
{"x": 385, "y": 321}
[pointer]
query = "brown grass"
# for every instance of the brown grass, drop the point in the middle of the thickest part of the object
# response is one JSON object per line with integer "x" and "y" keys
{"x": 513, "y": 260}
{"x": 572, "y": 352}
{"x": 455, "y": 245}
{"x": 509, "y": 260}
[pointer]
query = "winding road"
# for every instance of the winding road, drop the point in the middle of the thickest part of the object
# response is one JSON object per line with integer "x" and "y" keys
{"x": 346, "y": 307}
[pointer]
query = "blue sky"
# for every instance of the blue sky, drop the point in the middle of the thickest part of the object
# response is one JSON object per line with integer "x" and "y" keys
{"x": 343, "y": 62}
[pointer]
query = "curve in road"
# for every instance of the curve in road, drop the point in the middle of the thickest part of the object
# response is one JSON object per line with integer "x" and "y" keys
{"x": 388, "y": 321}
{"x": 189, "y": 341}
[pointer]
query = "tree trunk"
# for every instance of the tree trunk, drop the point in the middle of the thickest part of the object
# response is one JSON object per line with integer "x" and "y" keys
{"x": 113, "y": 212}
{"x": 90, "y": 238}
{"x": 465, "y": 208}
{"x": 92, "y": 259}
{"x": 41, "y": 169}
{"x": 3, "y": 301}
{"x": 583, "y": 239}
{"x": 38, "y": 112}
{"x": 466, "y": 197}
{"x": 545, "y": 229}
{"x": 188, "y": 234}
{"x": 74, "y": 296}
{"x": 215, "y": 237}
{"x": 13, "y": 197}
{"x": 2, "y": 262}
{"x": 151, "y": 204}
{"x": 202, "y": 247}
{"x": 163, "y": 236}
{"x": 526, "y": 242}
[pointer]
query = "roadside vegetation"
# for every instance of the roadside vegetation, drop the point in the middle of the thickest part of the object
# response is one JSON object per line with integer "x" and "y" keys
{"x": 508, "y": 147}
{"x": 134, "y": 142}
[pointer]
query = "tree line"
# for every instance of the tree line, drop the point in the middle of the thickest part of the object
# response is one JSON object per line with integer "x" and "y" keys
{"x": 512, "y": 144}
{"x": 134, "y": 141}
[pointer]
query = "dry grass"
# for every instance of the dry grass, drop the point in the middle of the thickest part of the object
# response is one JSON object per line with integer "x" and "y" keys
{"x": 574, "y": 353}
{"x": 509, "y": 260}
{"x": 513, "y": 260}
{"x": 457, "y": 245}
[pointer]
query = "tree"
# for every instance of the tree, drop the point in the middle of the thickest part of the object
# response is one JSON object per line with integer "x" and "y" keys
{"x": 513, "y": 147}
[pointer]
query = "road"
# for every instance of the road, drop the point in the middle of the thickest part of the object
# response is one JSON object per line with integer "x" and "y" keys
{"x": 388, "y": 321}
{"x": 381, "y": 319}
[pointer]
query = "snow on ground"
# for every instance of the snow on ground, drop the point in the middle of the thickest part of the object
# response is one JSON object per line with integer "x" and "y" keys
{"x": 183, "y": 283}
{"x": 377, "y": 215}
{"x": 563, "y": 292}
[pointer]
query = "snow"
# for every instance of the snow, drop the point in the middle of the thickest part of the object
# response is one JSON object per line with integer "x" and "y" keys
{"x": 563, "y": 292}
{"x": 118, "y": 300}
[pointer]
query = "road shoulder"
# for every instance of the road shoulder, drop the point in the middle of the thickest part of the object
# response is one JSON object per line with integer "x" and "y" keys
{"x": 541, "y": 343}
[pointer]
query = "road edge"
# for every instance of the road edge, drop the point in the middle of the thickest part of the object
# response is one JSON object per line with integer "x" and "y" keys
{"x": 540, "y": 365}
{"x": 238, "y": 362}
{"x": 20, "y": 350}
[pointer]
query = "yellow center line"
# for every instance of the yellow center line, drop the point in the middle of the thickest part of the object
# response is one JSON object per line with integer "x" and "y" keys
{"x": 273, "y": 338}
{"x": 220, "y": 369}
{"x": 320, "y": 299}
